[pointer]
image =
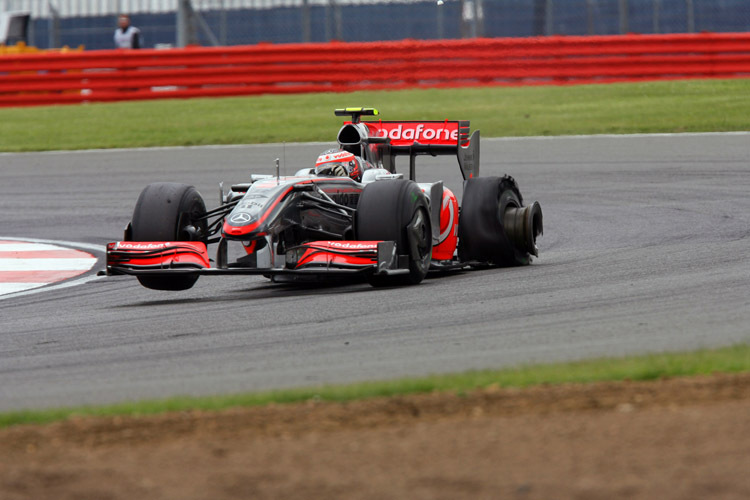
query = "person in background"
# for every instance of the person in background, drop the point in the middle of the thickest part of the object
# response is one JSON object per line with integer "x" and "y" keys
{"x": 127, "y": 36}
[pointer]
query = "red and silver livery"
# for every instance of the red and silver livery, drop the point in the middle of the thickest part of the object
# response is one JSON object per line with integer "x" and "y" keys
{"x": 389, "y": 229}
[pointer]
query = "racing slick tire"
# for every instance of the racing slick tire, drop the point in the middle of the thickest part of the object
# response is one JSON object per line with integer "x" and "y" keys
{"x": 397, "y": 210}
{"x": 494, "y": 228}
{"x": 167, "y": 211}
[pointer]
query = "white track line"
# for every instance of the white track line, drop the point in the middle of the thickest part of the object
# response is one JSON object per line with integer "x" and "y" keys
{"x": 6, "y": 288}
{"x": 326, "y": 143}
{"x": 25, "y": 262}
{"x": 616, "y": 136}
{"x": 32, "y": 264}
{"x": 74, "y": 244}
{"x": 176, "y": 148}
{"x": 59, "y": 286}
{"x": 24, "y": 247}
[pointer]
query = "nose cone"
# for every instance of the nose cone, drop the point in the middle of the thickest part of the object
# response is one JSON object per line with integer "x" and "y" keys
{"x": 240, "y": 223}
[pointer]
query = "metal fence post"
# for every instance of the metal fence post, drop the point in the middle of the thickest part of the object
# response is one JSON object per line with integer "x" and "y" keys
{"x": 549, "y": 26}
{"x": 623, "y": 10}
{"x": 53, "y": 28}
{"x": 223, "y": 23}
{"x": 540, "y": 23}
{"x": 183, "y": 22}
{"x": 479, "y": 17}
{"x": 334, "y": 24}
{"x": 590, "y": 17}
{"x": 338, "y": 21}
{"x": 440, "y": 21}
{"x": 188, "y": 21}
{"x": 690, "y": 16}
{"x": 657, "y": 6}
{"x": 327, "y": 17}
{"x": 306, "y": 28}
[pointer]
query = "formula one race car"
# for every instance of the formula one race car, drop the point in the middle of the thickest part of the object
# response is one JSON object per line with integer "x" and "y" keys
{"x": 351, "y": 214}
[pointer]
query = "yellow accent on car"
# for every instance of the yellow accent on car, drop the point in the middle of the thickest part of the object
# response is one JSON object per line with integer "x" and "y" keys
{"x": 361, "y": 111}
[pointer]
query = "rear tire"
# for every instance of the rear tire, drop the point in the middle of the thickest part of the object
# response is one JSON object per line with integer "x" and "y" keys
{"x": 482, "y": 235}
{"x": 167, "y": 211}
{"x": 391, "y": 210}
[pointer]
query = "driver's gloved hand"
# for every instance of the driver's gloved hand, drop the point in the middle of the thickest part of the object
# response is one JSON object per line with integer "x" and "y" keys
{"x": 339, "y": 171}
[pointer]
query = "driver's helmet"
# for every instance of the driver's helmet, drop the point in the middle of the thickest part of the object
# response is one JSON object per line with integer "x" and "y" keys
{"x": 339, "y": 163}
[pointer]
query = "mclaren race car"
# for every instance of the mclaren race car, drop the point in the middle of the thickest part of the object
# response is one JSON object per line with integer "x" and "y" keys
{"x": 352, "y": 214}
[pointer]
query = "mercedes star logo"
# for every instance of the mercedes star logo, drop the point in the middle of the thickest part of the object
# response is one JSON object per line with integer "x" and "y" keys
{"x": 241, "y": 218}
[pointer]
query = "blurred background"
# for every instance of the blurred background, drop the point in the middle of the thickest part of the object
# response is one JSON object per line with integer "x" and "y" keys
{"x": 170, "y": 23}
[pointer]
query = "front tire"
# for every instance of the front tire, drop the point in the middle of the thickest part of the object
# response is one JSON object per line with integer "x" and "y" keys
{"x": 397, "y": 210}
{"x": 167, "y": 211}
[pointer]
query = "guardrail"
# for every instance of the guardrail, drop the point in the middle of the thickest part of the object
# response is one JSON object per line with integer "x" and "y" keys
{"x": 117, "y": 75}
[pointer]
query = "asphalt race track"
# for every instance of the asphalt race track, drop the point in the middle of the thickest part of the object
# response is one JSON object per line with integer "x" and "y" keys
{"x": 646, "y": 249}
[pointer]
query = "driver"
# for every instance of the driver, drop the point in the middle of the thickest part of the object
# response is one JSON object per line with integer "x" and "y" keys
{"x": 340, "y": 163}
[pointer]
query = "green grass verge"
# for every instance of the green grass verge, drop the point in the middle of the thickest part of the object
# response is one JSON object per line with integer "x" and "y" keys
{"x": 678, "y": 106}
{"x": 726, "y": 360}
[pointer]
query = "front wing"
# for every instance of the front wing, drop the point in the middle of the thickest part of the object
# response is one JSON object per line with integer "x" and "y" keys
{"x": 314, "y": 258}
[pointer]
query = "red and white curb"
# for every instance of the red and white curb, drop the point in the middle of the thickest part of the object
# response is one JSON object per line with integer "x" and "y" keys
{"x": 27, "y": 265}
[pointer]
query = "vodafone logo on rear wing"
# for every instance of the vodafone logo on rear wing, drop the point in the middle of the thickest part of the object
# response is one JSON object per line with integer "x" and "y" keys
{"x": 407, "y": 133}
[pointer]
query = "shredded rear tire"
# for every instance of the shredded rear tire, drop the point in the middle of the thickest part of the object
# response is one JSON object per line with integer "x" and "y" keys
{"x": 482, "y": 235}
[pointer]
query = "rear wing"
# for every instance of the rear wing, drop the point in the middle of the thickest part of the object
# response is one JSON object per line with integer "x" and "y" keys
{"x": 381, "y": 141}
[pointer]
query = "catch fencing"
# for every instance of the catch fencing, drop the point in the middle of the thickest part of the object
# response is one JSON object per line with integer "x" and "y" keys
{"x": 91, "y": 23}
{"x": 117, "y": 75}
